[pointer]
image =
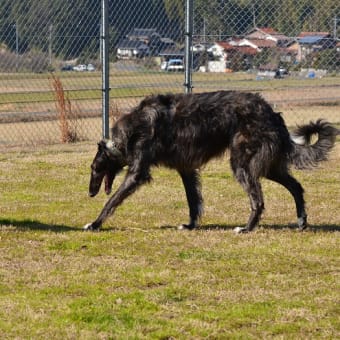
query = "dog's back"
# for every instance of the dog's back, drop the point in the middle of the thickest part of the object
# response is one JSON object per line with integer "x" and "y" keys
{"x": 187, "y": 130}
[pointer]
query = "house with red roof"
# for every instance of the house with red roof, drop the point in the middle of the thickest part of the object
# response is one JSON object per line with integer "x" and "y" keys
{"x": 238, "y": 53}
{"x": 232, "y": 56}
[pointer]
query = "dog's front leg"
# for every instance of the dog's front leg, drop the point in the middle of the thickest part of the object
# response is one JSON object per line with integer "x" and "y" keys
{"x": 131, "y": 182}
{"x": 192, "y": 185}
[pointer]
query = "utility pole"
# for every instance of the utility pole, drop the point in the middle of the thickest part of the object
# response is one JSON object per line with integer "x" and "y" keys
{"x": 254, "y": 16}
{"x": 204, "y": 31}
{"x": 16, "y": 46}
{"x": 50, "y": 44}
{"x": 335, "y": 33}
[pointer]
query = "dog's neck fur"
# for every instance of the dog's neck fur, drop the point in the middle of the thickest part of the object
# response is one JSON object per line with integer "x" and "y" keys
{"x": 110, "y": 145}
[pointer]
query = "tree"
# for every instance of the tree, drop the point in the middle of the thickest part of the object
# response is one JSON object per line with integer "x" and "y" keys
{"x": 174, "y": 8}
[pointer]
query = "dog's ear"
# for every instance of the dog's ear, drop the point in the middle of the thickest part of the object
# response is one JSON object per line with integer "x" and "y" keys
{"x": 107, "y": 145}
{"x": 102, "y": 145}
{"x": 110, "y": 149}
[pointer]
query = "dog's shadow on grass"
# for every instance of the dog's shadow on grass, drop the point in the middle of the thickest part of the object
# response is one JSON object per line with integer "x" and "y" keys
{"x": 228, "y": 227}
{"x": 30, "y": 225}
{"x": 312, "y": 227}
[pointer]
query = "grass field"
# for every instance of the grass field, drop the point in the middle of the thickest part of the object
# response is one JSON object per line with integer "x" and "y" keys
{"x": 141, "y": 278}
{"x": 28, "y": 112}
{"x": 34, "y": 88}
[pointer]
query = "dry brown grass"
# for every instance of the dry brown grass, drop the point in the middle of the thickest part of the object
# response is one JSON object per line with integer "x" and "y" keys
{"x": 67, "y": 115}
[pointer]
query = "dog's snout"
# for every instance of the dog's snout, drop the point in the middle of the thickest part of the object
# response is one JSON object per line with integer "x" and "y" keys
{"x": 93, "y": 191}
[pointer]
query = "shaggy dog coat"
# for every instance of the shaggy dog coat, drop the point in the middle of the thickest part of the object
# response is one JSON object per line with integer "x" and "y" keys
{"x": 185, "y": 131}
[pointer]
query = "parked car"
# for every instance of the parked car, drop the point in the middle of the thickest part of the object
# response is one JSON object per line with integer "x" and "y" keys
{"x": 164, "y": 65}
{"x": 80, "y": 68}
{"x": 67, "y": 68}
{"x": 175, "y": 65}
{"x": 281, "y": 73}
{"x": 91, "y": 68}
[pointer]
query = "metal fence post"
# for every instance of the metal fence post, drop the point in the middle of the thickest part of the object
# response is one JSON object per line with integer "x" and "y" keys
{"x": 189, "y": 12}
{"x": 105, "y": 69}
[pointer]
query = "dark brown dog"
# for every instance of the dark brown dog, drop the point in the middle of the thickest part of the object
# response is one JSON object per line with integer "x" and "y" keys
{"x": 185, "y": 131}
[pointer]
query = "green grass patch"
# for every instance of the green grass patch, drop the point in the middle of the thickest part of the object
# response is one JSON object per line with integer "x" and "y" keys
{"x": 40, "y": 97}
{"x": 141, "y": 278}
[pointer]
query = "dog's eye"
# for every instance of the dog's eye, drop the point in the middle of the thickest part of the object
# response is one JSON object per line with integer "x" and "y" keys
{"x": 97, "y": 168}
{"x": 94, "y": 168}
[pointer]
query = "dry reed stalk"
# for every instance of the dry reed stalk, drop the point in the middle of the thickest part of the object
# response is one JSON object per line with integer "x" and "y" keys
{"x": 66, "y": 115}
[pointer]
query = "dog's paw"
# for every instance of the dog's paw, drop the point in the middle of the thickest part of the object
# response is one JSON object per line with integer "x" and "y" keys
{"x": 186, "y": 227}
{"x": 240, "y": 230}
{"x": 302, "y": 223}
{"x": 87, "y": 226}
{"x": 90, "y": 227}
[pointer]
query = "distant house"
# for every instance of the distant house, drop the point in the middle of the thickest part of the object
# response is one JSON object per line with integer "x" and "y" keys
{"x": 240, "y": 58}
{"x": 198, "y": 47}
{"x": 218, "y": 49}
{"x": 289, "y": 54}
{"x": 240, "y": 52}
{"x": 266, "y": 38}
{"x": 268, "y": 33}
{"x": 310, "y": 42}
{"x": 232, "y": 56}
{"x": 308, "y": 34}
{"x": 172, "y": 53}
{"x": 141, "y": 42}
{"x": 146, "y": 35}
{"x": 129, "y": 49}
{"x": 161, "y": 45}
{"x": 201, "y": 47}
{"x": 258, "y": 44}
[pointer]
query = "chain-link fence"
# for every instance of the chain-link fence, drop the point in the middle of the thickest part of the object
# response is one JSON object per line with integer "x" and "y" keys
{"x": 49, "y": 70}
{"x": 51, "y": 62}
{"x": 287, "y": 50}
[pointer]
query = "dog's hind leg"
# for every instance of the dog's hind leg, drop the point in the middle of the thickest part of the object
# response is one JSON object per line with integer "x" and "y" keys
{"x": 192, "y": 185}
{"x": 252, "y": 187}
{"x": 296, "y": 190}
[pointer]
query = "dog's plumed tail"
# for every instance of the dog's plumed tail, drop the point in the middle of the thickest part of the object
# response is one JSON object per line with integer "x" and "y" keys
{"x": 306, "y": 154}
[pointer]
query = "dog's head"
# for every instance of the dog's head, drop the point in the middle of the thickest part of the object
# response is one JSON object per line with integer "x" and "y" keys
{"x": 107, "y": 163}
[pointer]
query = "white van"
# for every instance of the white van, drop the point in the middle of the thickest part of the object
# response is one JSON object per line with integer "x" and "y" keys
{"x": 175, "y": 65}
